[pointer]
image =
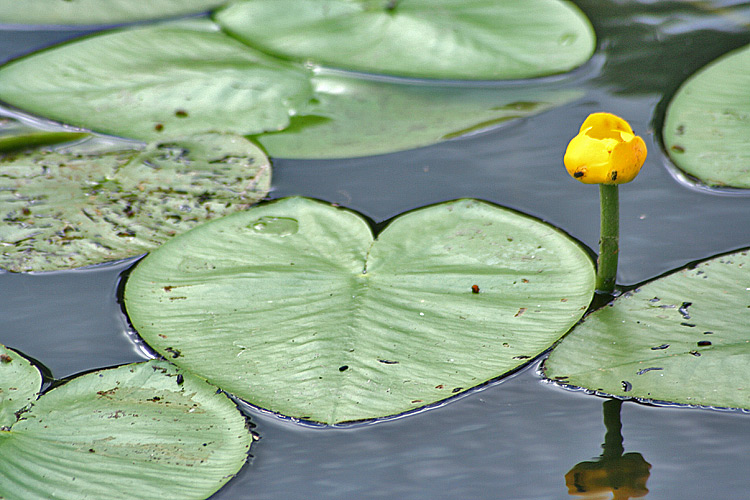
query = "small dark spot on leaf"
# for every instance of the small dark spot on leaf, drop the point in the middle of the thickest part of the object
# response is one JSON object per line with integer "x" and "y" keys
{"x": 413, "y": 401}
{"x": 174, "y": 352}
{"x": 655, "y": 299}
{"x": 641, "y": 372}
{"x": 168, "y": 288}
{"x": 678, "y": 149}
{"x": 388, "y": 362}
{"x": 626, "y": 386}
{"x": 181, "y": 113}
{"x": 457, "y": 389}
{"x": 695, "y": 353}
{"x": 691, "y": 325}
{"x": 343, "y": 368}
{"x": 26, "y": 211}
{"x": 91, "y": 450}
{"x": 520, "y": 312}
{"x": 684, "y": 309}
{"x": 5, "y": 358}
{"x": 159, "y": 127}
{"x": 660, "y": 347}
{"x": 180, "y": 379}
{"x": 708, "y": 333}
{"x": 704, "y": 343}
{"x": 154, "y": 399}
{"x": 441, "y": 386}
{"x": 474, "y": 288}
{"x": 521, "y": 357}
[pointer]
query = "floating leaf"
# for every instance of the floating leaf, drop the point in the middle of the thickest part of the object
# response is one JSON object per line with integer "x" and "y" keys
{"x": 707, "y": 125}
{"x": 145, "y": 430}
{"x": 177, "y": 78}
{"x": 294, "y": 307}
{"x": 20, "y": 382}
{"x": 353, "y": 117}
{"x": 78, "y": 12}
{"x": 76, "y": 207}
{"x": 684, "y": 338}
{"x": 462, "y": 39}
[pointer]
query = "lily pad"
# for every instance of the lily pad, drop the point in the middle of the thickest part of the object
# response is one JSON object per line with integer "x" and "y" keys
{"x": 353, "y": 117}
{"x": 459, "y": 39}
{"x": 80, "y": 12}
{"x": 294, "y": 307}
{"x": 20, "y": 382}
{"x": 683, "y": 338}
{"x": 147, "y": 428}
{"x": 707, "y": 124}
{"x": 84, "y": 205}
{"x": 188, "y": 78}
{"x": 170, "y": 79}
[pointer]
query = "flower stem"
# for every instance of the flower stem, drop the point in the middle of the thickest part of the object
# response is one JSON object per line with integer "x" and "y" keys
{"x": 606, "y": 273}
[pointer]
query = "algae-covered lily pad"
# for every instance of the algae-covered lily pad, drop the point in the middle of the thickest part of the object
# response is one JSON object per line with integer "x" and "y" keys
{"x": 294, "y": 307}
{"x": 78, "y": 12}
{"x": 175, "y": 78}
{"x": 20, "y": 382}
{"x": 83, "y": 205}
{"x": 707, "y": 124}
{"x": 683, "y": 338}
{"x": 354, "y": 117}
{"x": 144, "y": 430}
{"x": 460, "y": 39}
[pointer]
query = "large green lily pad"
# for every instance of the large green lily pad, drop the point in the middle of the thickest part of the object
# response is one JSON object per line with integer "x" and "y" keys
{"x": 170, "y": 79}
{"x": 78, "y": 12}
{"x": 294, "y": 307}
{"x": 20, "y": 382}
{"x": 707, "y": 124}
{"x": 145, "y": 429}
{"x": 180, "y": 79}
{"x": 89, "y": 204}
{"x": 461, "y": 39}
{"x": 351, "y": 117}
{"x": 684, "y": 338}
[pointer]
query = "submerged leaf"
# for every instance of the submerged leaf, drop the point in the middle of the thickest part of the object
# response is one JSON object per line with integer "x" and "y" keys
{"x": 144, "y": 431}
{"x": 707, "y": 124}
{"x": 354, "y": 117}
{"x": 78, "y": 12}
{"x": 460, "y": 39}
{"x": 683, "y": 338}
{"x": 70, "y": 208}
{"x": 294, "y": 307}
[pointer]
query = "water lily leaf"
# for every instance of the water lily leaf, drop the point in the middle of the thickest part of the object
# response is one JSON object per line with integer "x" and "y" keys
{"x": 708, "y": 123}
{"x": 683, "y": 338}
{"x": 176, "y": 78}
{"x": 353, "y": 117}
{"x": 20, "y": 382}
{"x": 78, "y": 12}
{"x": 83, "y": 205}
{"x": 147, "y": 428}
{"x": 477, "y": 39}
{"x": 294, "y": 307}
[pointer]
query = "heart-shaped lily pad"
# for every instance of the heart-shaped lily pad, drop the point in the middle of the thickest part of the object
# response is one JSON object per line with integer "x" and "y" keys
{"x": 184, "y": 78}
{"x": 683, "y": 338}
{"x": 461, "y": 39}
{"x": 78, "y": 12}
{"x": 84, "y": 205}
{"x": 20, "y": 382}
{"x": 146, "y": 430}
{"x": 294, "y": 307}
{"x": 707, "y": 124}
{"x": 175, "y": 78}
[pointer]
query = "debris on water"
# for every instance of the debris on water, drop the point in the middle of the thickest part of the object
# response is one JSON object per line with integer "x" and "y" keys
{"x": 626, "y": 386}
{"x": 660, "y": 347}
{"x": 645, "y": 370}
{"x": 684, "y": 309}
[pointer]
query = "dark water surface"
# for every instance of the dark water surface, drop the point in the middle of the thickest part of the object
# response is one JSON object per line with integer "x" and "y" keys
{"x": 515, "y": 439}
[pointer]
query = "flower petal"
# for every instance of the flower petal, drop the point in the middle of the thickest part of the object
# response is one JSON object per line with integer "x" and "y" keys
{"x": 587, "y": 159}
{"x": 626, "y": 161}
{"x": 605, "y": 126}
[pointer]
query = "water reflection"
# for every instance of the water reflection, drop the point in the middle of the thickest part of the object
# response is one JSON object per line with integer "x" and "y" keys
{"x": 623, "y": 475}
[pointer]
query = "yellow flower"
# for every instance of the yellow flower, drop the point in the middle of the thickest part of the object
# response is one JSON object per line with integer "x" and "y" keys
{"x": 605, "y": 151}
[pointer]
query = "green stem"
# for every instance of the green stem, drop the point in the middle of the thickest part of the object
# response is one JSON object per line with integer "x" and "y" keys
{"x": 606, "y": 273}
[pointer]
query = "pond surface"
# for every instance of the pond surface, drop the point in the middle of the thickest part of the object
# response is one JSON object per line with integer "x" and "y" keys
{"x": 515, "y": 439}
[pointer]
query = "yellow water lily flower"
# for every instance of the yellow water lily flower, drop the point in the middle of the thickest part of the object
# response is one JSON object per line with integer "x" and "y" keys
{"x": 605, "y": 151}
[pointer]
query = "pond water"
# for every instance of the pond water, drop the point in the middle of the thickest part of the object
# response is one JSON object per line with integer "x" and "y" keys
{"x": 515, "y": 439}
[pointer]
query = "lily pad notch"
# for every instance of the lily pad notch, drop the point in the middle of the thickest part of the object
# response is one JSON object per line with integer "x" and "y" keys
{"x": 294, "y": 306}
